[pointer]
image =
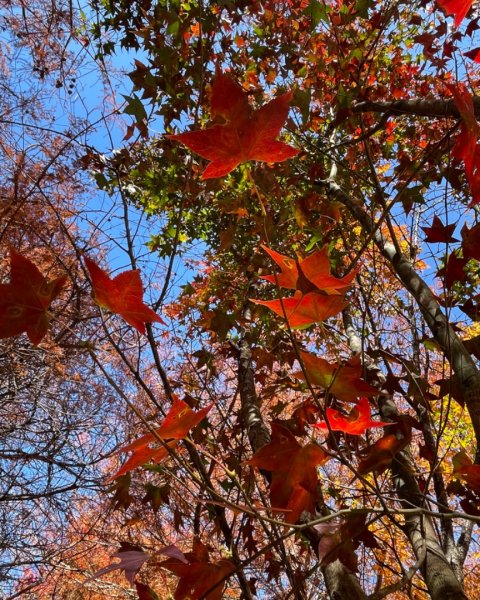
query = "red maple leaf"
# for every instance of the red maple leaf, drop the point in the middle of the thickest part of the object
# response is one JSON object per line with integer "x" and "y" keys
{"x": 176, "y": 425}
{"x": 467, "y": 470}
{"x": 122, "y": 295}
{"x": 356, "y": 423}
{"x": 303, "y": 310}
{"x": 294, "y": 475}
{"x": 459, "y": 8}
{"x": 343, "y": 381}
{"x": 473, "y": 55}
{"x": 307, "y": 274}
{"x": 199, "y": 578}
{"x": 438, "y": 233}
{"x": 466, "y": 146}
{"x": 471, "y": 241}
{"x": 453, "y": 271}
{"x": 245, "y": 135}
{"x": 25, "y": 300}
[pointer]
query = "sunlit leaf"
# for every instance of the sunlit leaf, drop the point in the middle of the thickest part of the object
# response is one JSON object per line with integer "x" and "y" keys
{"x": 246, "y": 135}
{"x": 176, "y": 426}
{"x": 467, "y": 470}
{"x": 316, "y": 271}
{"x": 355, "y": 423}
{"x": 122, "y": 295}
{"x": 302, "y": 310}
{"x": 343, "y": 381}
{"x": 458, "y": 8}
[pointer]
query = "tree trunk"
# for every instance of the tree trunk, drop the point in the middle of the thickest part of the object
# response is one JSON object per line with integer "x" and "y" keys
{"x": 436, "y": 569}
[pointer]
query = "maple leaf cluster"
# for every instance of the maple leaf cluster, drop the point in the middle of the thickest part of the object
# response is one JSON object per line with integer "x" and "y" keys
{"x": 318, "y": 294}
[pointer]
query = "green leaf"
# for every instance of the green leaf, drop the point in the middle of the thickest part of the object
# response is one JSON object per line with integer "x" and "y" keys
{"x": 317, "y": 11}
{"x": 135, "y": 108}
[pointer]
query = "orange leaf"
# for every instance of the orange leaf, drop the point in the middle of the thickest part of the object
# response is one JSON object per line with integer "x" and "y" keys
{"x": 25, "y": 300}
{"x": 289, "y": 270}
{"x": 199, "y": 578}
{"x": 378, "y": 456}
{"x": 356, "y": 423}
{"x": 143, "y": 454}
{"x": 343, "y": 381}
{"x": 294, "y": 476}
{"x": 315, "y": 268}
{"x": 176, "y": 425}
{"x": 122, "y": 295}
{"x": 467, "y": 470}
{"x": 246, "y": 135}
{"x": 302, "y": 310}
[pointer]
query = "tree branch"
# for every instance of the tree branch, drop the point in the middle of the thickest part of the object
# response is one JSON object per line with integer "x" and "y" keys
{"x": 420, "y": 107}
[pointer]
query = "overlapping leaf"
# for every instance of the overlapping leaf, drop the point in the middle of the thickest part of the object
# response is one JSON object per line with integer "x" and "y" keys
{"x": 294, "y": 476}
{"x": 199, "y": 578}
{"x": 122, "y": 295}
{"x": 25, "y": 300}
{"x": 355, "y": 423}
{"x": 343, "y": 381}
{"x": 319, "y": 294}
{"x": 315, "y": 270}
{"x": 246, "y": 135}
{"x": 176, "y": 426}
{"x": 467, "y": 470}
{"x": 302, "y": 310}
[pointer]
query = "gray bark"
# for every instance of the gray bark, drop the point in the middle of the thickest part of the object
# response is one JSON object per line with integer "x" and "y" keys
{"x": 421, "y": 107}
{"x": 437, "y": 572}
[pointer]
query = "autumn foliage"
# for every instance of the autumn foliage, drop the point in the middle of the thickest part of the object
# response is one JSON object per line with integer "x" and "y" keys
{"x": 239, "y": 308}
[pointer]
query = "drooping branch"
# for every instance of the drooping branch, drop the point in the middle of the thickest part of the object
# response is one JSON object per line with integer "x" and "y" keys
{"x": 420, "y": 107}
